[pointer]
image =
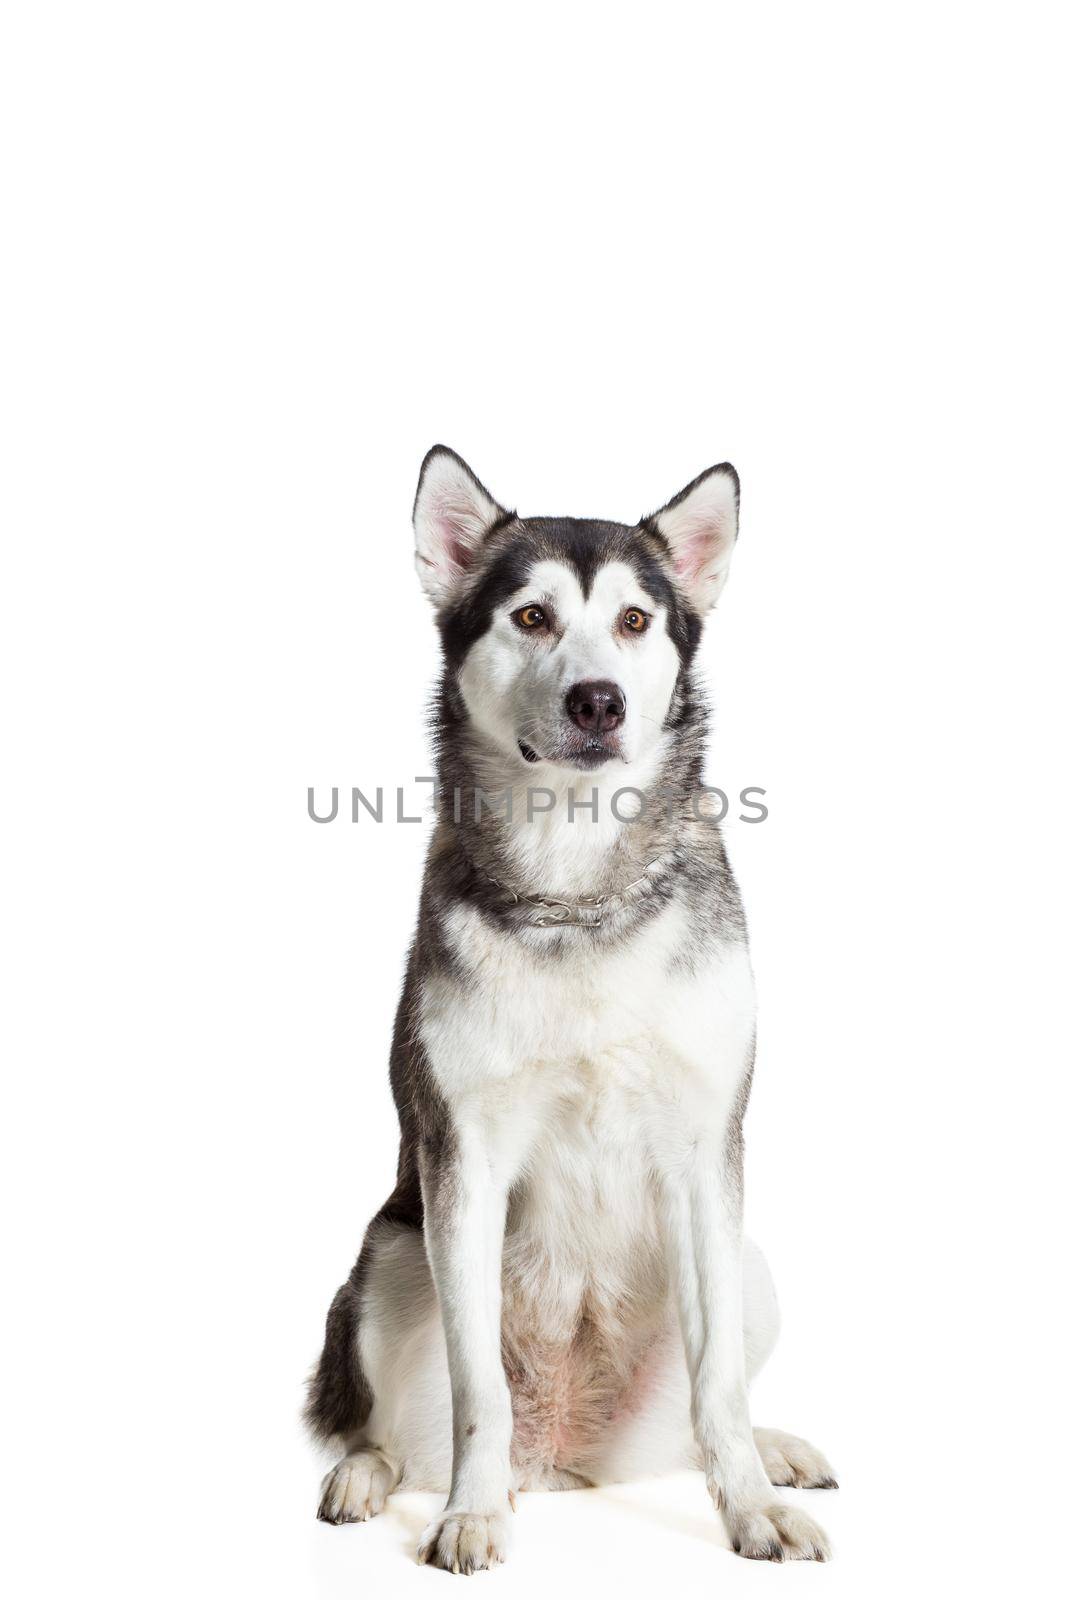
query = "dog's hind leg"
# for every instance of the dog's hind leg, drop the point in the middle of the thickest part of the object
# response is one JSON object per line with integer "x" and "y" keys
{"x": 761, "y": 1318}
{"x": 655, "y": 1435}
{"x": 380, "y": 1390}
{"x": 339, "y": 1396}
{"x": 356, "y": 1489}
{"x": 341, "y": 1400}
{"x": 793, "y": 1463}
{"x": 789, "y": 1462}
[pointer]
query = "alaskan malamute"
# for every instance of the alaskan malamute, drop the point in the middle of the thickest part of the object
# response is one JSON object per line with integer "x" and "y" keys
{"x": 557, "y": 1292}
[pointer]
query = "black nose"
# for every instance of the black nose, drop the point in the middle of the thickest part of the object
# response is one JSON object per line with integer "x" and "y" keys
{"x": 596, "y": 707}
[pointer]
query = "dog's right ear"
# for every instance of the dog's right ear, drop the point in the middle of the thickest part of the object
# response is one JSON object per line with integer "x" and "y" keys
{"x": 453, "y": 513}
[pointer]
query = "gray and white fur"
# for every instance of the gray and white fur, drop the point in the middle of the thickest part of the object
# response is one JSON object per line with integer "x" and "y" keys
{"x": 558, "y": 1293}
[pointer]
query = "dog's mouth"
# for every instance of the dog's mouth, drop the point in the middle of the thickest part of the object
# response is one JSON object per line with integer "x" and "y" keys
{"x": 593, "y": 753}
{"x": 587, "y": 756}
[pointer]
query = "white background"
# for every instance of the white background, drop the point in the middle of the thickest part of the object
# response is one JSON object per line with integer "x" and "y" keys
{"x": 258, "y": 259}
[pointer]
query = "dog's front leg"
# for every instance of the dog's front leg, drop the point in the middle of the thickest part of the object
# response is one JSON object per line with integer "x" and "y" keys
{"x": 465, "y": 1206}
{"x": 702, "y": 1191}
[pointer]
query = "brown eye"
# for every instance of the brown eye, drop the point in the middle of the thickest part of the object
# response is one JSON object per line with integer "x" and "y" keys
{"x": 530, "y": 617}
{"x": 636, "y": 621}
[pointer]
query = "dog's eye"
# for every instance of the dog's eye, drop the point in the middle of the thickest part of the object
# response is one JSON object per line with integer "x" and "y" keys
{"x": 529, "y": 617}
{"x": 635, "y": 620}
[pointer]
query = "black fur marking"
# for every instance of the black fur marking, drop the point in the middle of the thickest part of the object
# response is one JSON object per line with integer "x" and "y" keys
{"x": 511, "y": 550}
{"x": 339, "y": 1398}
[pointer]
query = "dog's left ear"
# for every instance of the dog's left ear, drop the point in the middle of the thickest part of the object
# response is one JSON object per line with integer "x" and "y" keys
{"x": 699, "y": 528}
{"x": 453, "y": 514}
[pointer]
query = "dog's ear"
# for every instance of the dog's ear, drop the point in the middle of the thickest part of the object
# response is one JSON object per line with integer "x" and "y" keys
{"x": 453, "y": 514}
{"x": 699, "y": 528}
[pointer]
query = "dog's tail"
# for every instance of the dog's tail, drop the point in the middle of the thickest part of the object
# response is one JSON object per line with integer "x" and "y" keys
{"x": 339, "y": 1397}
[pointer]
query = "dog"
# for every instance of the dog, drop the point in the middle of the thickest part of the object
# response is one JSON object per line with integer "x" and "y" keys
{"x": 558, "y": 1293}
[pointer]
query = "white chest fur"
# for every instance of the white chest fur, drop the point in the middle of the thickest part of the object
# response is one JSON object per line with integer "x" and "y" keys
{"x": 637, "y": 1035}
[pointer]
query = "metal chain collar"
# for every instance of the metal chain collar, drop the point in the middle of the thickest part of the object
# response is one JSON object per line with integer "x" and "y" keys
{"x": 587, "y": 911}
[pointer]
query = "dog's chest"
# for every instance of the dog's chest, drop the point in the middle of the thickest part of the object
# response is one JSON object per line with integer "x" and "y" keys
{"x": 516, "y": 1010}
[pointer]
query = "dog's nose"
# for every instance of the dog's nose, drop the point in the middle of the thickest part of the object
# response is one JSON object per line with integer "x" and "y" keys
{"x": 597, "y": 706}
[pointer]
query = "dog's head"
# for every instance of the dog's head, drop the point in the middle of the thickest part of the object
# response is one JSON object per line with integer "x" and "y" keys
{"x": 566, "y": 638}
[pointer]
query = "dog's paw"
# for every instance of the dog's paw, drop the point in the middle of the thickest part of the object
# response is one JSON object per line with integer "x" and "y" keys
{"x": 777, "y": 1532}
{"x": 357, "y": 1488}
{"x": 793, "y": 1463}
{"x": 460, "y": 1541}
